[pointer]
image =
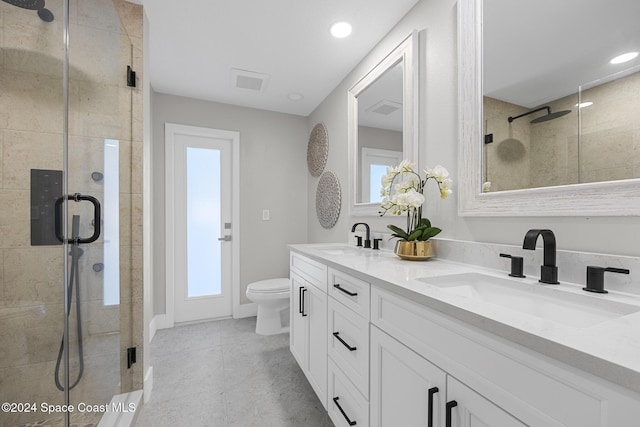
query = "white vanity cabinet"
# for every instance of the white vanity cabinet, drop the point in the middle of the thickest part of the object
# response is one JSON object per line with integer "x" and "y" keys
{"x": 408, "y": 390}
{"x": 379, "y": 354}
{"x": 308, "y": 321}
{"x": 348, "y": 349}
{"x": 491, "y": 379}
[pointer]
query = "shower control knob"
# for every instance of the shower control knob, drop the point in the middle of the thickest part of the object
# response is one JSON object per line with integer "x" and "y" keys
{"x": 98, "y": 267}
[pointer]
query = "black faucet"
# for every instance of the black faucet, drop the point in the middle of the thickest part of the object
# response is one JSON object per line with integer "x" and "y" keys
{"x": 549, "y": 270}
{"x": 367, "y": 239}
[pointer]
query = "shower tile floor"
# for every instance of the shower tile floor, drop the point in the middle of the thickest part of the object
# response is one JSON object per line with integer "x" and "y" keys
{"x": 223, "y": 374}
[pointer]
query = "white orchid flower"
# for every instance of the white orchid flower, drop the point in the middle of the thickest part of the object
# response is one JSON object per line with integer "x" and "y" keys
{"x": 440, "y": 173}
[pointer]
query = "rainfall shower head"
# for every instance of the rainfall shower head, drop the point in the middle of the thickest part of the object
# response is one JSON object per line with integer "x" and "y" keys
{"x": 44, "y": 13}
{"x": 546, "y": 117}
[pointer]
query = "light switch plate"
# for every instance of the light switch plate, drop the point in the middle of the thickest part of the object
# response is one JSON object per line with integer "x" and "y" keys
{"x": 266, "y": 215}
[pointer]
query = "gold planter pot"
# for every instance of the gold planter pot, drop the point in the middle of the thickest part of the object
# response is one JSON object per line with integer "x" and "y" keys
{"x": 414, "y": 251}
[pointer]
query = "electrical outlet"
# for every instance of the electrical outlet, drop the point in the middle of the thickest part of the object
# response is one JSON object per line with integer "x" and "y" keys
{"x": 266, "y": 215}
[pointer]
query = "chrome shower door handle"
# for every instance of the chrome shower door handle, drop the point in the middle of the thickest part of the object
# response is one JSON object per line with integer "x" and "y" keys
{"x": 226, "y": 238}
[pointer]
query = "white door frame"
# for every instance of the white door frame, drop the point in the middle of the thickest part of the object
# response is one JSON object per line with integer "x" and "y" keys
{"x": 171, "y": 129}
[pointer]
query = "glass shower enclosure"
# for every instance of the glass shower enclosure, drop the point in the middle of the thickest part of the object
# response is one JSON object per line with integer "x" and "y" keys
{"x": 66, "y": 191}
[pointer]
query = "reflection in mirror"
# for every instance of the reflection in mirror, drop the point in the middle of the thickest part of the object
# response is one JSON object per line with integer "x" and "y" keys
{"x": 382, "y": 129}
{"x": 556, "y": 111}
{"x": 379, "y": 132}
{"x": 515, "y": 60}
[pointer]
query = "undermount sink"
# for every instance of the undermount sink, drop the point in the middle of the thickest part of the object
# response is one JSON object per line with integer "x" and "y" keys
{"x": 536, "y": 300}
{"x": 338, "y": 249}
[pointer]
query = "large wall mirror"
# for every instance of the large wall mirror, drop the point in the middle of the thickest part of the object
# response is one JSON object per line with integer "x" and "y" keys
{"x": 382, "y": 124}
{"x": 548, "y": 122}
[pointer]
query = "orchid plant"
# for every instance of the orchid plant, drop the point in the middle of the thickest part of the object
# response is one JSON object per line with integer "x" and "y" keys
{"x": 403, "y": 193}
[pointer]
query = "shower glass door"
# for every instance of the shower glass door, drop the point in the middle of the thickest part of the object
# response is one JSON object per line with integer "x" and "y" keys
{"x": 66, "y": 202}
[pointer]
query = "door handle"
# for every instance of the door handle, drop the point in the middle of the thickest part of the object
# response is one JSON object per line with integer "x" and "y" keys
{"x": 77, "y": 197}
{"x": 226, "y": 238}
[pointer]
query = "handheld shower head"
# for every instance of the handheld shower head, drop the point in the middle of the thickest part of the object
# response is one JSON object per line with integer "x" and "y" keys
{"x": 44, "y": 13}
{"x": 545, "y": 118}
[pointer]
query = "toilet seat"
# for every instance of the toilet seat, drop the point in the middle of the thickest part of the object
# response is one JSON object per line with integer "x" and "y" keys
{"x": 279, "y": 285}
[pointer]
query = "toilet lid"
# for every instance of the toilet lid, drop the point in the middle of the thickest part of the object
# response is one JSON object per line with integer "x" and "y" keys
{"x": 270, "y": 285}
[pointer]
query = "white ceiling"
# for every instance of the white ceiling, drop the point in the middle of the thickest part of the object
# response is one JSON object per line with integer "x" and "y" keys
{"x": 538, "y": 51}
{"x": 194, "y": 45}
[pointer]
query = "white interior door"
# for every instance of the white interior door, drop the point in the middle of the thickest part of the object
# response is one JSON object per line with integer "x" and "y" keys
{"x": 201, "y": 223}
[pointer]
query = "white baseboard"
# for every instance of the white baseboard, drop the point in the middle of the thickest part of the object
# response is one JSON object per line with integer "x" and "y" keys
{"x": 158, "y": 322}
{"x": 246, "y": 310}
{"x": 148, "y": 384}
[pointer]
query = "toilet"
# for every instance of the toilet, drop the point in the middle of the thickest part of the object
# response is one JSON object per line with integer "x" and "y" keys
{"x": 272, "y": 297}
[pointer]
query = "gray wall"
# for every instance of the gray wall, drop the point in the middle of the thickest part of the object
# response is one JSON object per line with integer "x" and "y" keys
{"x": 273, "y": 150}
{"x": 439, "y": 145}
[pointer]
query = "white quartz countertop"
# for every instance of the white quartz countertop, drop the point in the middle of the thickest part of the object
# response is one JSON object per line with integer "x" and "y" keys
{"x": 609, "y": 349}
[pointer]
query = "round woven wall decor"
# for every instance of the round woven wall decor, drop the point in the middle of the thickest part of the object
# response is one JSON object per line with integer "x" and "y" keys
{"x": 328, "y": 199}
{"x": 317, "y": 149}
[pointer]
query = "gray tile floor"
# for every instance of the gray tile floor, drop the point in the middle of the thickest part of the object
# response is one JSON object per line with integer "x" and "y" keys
{"x": 223, "y": 374}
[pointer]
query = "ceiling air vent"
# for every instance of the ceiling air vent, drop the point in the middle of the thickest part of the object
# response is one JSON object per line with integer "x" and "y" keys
{"x": 384, "y": 107}
{"x": 249, "y": 80}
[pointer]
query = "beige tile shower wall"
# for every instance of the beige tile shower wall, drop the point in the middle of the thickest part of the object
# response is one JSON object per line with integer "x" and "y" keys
{"x": 31, "y": 309}
{"x": 554, "y": 146}
{"x": 610, "y": 146}
{"x": 102, "y": 106}
{"x": 506, "y": 159}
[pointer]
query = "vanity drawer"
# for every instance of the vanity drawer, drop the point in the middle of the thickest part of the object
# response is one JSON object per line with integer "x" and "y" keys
{"x": 348, "y": 341}
{"x": 350, "y": 291}
{"x": 312, "y": 271}
{"x": 345, "y": 404}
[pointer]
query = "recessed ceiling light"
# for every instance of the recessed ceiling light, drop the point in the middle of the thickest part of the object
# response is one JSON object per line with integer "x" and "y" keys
{"x": 341, "y": 29}
{"x": 295, "y": 96}
{"x": 584, "y": 104}
{"x": 625, "y": 57}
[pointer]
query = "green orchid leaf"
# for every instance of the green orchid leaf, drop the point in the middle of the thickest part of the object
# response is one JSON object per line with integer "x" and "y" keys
{"x": 425, "y": 222}
{"x": 399, "y": 232}
{"x": 429, "y": 233}
{"x": 413, "y": 236}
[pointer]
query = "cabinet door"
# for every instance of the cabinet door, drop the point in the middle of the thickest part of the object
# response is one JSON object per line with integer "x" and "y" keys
{"x": 473, "y": 410}
{"x": 401, "y": 381}
{"x": 298, "y": 323}
{"x": 316, "y": 308}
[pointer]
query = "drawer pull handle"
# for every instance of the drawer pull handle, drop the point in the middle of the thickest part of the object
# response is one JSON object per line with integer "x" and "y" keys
{"x": 340, "y": 288}
{"x": 432, "y": 391}
{"x": 302, "y": 291}
{"x": 450, "y": 405}
{"x": 351, "y": 423}
{"x": 337, "y": 335}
